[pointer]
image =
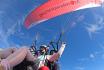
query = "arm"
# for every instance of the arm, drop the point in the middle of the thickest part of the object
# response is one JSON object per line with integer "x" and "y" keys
{"x": 55, "y": 56}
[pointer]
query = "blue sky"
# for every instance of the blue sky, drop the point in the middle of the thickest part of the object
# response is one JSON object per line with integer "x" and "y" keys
{"x": 84, "y": 33}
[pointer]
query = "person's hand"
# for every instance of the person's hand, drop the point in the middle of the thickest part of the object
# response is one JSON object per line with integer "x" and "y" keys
{"x": 63, "y": 44}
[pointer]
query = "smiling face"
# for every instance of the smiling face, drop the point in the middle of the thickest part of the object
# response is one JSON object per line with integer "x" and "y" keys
{"x": 43, "y": 49}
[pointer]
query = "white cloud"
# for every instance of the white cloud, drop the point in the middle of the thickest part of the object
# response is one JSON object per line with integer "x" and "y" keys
{"x": 73, "y": 24}
{"x": 102, "y": 56}
{"x": 83, "y": 59}
{"x": 79, "y": 68}
{"x": 80, "y": 18}
{"x": 95, "y": 28}
{"x": 11, "y": 30}
{"x": 92, "y": 56}
{"x": 102, "y": 46}
{"x": 102, "y": 50}
{"x": 99, "y": 19}
{"x": 4, "y": 35}
{"x": 92, "y": 29}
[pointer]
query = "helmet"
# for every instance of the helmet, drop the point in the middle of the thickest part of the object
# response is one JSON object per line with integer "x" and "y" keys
{"x": 44, "y": 46}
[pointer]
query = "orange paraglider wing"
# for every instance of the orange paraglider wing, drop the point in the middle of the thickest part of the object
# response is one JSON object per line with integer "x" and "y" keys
{"x": 53, "y": 8}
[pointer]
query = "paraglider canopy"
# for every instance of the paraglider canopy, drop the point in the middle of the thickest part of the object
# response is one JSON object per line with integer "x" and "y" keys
{"x": 53, "y": 8}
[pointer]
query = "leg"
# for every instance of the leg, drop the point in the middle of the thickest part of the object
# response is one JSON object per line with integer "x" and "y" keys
{"x": 16, "y": 58}
{"x": 5, "y": 53}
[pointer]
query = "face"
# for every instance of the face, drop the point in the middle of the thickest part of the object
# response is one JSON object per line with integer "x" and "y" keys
{"x": 43, "y": 50}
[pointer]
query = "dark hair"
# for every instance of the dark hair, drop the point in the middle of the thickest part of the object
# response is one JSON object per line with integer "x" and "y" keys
{"x": 24, "y": 65}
